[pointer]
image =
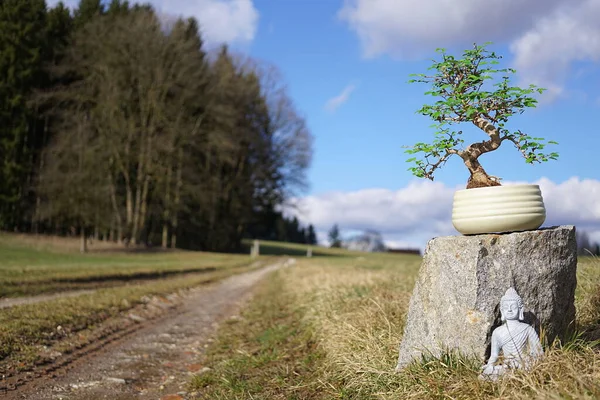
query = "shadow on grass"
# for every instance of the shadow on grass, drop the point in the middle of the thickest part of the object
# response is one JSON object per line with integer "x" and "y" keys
{"x": 589, "y": 335}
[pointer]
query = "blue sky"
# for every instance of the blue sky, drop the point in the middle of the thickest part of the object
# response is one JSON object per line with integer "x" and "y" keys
{"x": 347, "y": 64}
{"x": 359, "y": 145}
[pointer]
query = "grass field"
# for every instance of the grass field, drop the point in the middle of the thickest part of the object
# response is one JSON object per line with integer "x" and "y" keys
{"x": 326, "y": 328}
{"x": 329, "y": 328}
{"x": 32, "y": 265}
{"x": 269, "y": 248}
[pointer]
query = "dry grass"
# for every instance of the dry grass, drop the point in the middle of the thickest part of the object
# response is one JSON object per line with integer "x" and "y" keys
{"x": 355, "y": 308}
{"x": 267, "y": 353}
{"x": 587, "y": 295}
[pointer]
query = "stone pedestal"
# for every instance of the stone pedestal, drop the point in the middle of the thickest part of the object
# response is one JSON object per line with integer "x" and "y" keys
{"x": 455, "y": 302}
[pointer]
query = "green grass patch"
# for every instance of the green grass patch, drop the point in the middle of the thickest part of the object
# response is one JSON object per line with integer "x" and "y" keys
{"x": 272, "y": 248}
{"x": 31, "y": 265}
{"x": 28, "y": 267}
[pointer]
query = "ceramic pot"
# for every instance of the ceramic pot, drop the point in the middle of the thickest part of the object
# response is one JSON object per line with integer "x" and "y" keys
{"x": 498, "y": 209}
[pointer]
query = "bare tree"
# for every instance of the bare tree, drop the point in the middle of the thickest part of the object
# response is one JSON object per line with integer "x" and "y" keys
{"x": 141, "y": 79}
{"x": 185, "y": 110}
{"x": 291, "y": 139}
{"x": 72, "y": 186}
{"x": 185, "y": 152}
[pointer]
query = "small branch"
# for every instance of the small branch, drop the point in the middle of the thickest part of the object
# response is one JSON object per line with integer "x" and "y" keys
{"x": 512, "y": 139}
{"x": 489, "y": 117}
{"x": 429, "y": 169}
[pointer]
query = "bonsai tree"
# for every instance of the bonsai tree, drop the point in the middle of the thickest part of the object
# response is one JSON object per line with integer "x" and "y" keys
{"x": 469, "y": 91}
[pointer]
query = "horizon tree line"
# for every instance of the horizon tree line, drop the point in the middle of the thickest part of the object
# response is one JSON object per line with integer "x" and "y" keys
{"x": 118, "y": 126}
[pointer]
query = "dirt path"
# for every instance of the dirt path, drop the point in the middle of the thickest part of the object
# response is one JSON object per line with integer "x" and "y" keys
{"x": 157, "y": 360}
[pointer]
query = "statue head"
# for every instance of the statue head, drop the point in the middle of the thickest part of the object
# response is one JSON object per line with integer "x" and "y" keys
{"x": 511, "y": 305}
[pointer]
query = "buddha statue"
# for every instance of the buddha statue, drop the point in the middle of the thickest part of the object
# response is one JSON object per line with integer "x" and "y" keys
{"x": 518, "y": 341}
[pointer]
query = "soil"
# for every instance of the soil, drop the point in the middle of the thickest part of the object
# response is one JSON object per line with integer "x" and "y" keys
{"x": 153, "y": 357}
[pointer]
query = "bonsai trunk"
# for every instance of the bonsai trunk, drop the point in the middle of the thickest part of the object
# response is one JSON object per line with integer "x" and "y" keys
{"x": 479, "y": 178}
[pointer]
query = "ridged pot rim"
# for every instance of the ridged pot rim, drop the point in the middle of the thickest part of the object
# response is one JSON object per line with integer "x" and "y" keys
{"x": 502, "y": 187}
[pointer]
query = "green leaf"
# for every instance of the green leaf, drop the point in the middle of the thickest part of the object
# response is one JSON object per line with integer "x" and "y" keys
{"x": 460, "y": 92}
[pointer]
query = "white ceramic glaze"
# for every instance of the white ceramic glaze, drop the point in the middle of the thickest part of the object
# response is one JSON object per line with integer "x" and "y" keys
{"x": 498, "y": 209}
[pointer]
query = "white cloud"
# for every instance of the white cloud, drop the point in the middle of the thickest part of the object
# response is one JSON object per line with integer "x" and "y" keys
{"x": 221, "y": 21}
{"x": 408, "y": 214}
{"x": 335, "y": 102}
{"x": 409, "y": 217}
{"x": 407, "y": 27}
{"x": 546, "y": 36}
{"x": 400, "y": 244}
{"x": 546, "y": 51}
{"x": 574, "y": 202}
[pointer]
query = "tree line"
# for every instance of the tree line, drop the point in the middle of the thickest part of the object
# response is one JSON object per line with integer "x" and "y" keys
{"x": 369, "y": 240}
{"x": 585, "y": 246}
{"x": 119, "y": 124}
{"x": 280, "y": 228}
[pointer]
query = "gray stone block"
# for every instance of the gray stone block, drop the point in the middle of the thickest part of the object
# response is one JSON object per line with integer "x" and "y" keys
{"x": 455, "y": 302}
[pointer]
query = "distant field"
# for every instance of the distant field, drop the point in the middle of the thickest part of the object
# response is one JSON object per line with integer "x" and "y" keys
{"x": 30, "y": 265}
{"x": 297, "y": 250}
{"x": 329, "y": 328}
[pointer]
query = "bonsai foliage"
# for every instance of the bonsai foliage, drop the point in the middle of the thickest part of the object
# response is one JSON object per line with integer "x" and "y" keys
{"x": 460, "y": 85}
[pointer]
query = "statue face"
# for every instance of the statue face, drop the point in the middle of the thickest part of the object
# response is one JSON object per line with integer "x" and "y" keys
{"x": 510, "y": 309}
